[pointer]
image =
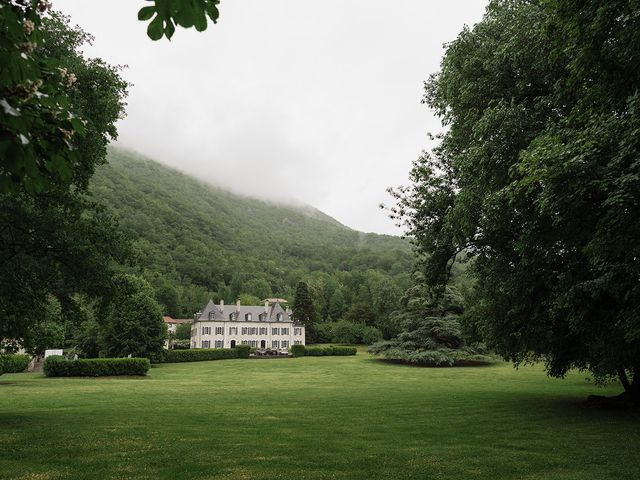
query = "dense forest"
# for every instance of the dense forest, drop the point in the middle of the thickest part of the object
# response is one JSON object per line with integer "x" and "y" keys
{"x": 194, "y": 241}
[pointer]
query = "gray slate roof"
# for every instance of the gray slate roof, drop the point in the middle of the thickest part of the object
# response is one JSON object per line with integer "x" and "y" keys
{"x": 257, "y": 313}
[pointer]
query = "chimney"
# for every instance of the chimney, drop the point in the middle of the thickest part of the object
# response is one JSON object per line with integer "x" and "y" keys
{"x": 238, "y": 305}
{"x": 221, "y": 306}
{"x": 266, "y": 306}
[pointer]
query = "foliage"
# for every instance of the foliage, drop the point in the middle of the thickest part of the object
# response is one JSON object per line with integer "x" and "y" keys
{"x": 14, "y": 363}
{"x": 38, "y": 127}
{"x": 60, "y": 242}
{"x": 431, "y": 332}
{"x": 330, "y": 351}
{"x": 58, "y": 366}
{"x": 297, "y": 350}
{"x": 537, "y": 178}
{"x": 183, "y": 331}
{"x": 243, "y": 351}
{"x": 344, "y": 331}
{"x": 360, "y": 313}
{"x": 304, "y": 311}
{"x": 194, "y": 242}
{"x": 201, "y": 354}
{"x": 165, "y": 15}
{"x": 47, "y": 331}
{"x": 133, "y": 322}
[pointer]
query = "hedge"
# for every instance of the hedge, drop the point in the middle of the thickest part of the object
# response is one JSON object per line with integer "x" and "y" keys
{"x": 297, "y": 350}
{"x": 328, "y": 351}
{"x": 199, "y": 354}
{"x": 14, "y": 363}
{"x": 243, "y": 351}
{"x": 58, "y": 366}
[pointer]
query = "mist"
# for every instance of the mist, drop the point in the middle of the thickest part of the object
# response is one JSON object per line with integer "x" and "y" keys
{"x": 289, "y": 101}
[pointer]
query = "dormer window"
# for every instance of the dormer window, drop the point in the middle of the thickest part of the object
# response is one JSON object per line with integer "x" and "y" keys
{"x": 211, "y": 314}
{"x": 247, "y": 317}
{"x": 279, "y": 317}
{"x": 232, "y": 316}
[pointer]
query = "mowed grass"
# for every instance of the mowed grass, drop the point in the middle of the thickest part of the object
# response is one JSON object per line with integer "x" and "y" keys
{"x": 313, "y": 418}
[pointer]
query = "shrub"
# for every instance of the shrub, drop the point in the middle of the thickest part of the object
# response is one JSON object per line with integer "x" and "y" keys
{"x": 58, "y": 366}
{"x": 201, "y": 354}
{"x": 326, "y": 351}
{"x": 243, "y": 351}
{"x": 14, "y": 363}
{"x": 298, "y": 350}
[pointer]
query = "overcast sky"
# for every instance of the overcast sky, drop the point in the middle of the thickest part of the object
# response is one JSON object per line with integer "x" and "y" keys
{"x": 302, "y": 100}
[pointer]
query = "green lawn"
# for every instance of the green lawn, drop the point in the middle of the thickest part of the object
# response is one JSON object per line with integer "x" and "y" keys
{"x": 313, "y": 418}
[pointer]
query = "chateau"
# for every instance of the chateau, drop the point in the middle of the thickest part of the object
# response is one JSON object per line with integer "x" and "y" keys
{"x": 261, "y": 326}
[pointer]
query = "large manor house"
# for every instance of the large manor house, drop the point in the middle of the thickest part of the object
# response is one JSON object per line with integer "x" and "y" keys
{"x": 262, "y": 326}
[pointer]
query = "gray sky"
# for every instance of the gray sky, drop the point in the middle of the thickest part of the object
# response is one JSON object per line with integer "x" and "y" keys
{"x": 302, "y": 100}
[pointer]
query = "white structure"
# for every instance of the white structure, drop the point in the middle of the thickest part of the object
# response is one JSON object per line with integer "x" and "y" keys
{"x": 268, "y": 326}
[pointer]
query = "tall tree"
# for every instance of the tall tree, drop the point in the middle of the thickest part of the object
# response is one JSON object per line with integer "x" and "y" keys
{"x": 61, "y": 242}
{"x": 538, "y": 178}
{"x": 133, "y": 322}
{"x": 304, "y": 310}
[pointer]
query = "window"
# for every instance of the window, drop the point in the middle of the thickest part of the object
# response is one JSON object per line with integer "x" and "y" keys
{"x": 206, "y": 330}
{"x": 233, "y": 330}
{"x": 285, "y": 344}
{"x": 232, "y": 316}
{"x": 206, "y": 344}
{"x": 211, "y": 314}
{"x": 297, "y": 342}
{"x": 254, "y": 343}
{"x": 264, "y": 330}
{"x": 279, "y": 317}
{"x": 297, "y": 331}
{"x": 275, "y": 343}
{"x": 284, "y": 331}
{"x": 254, "y": 331}
{"x": 219, "y": 343}
{"x": 247, "y": 317}
{"x": 275, "y": 331}
{"x": 245, "y": 330}
{"x": 219, "y": 330}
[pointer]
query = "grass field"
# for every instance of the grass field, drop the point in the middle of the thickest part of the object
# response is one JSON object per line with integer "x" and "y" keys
{"x": 313, "y": 418}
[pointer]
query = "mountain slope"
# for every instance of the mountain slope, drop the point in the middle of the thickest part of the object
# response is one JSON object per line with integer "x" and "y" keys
{"x": 202, "y": 241}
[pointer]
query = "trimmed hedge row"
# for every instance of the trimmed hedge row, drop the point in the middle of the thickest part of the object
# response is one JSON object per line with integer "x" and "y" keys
{"x": 243, "y": 351}
{"x": 14, "y": 363}
{"x": 202, "y": 354}
{"x": 296, "y": 351}
{"x": 58, "y": 366}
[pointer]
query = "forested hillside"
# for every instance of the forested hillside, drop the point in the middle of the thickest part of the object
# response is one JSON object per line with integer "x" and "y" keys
{"x": 194, "y": 241}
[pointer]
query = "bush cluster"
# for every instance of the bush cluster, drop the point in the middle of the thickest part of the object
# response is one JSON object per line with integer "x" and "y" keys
{"x": 199, "y": 354}
{"x": 440, "y": 357}
{"x": 14, "y": 363}
{"x": 328, "y": 351}
{"x": 58, "y": 366}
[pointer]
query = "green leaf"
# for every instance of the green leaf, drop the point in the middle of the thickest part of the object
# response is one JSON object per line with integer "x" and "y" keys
{"x": 212, "y": 11}
{"x": 145, "y": 13}
{"x": 155, "y": 29}
{"x": 169, "y": 29}
{"x": 200, "y": 21}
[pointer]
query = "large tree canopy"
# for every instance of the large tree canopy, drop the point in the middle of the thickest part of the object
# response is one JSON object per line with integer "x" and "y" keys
{"x": 538, "y": 177}
{"x": 60, "y": 242}
{"x": 40, "y": 127}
